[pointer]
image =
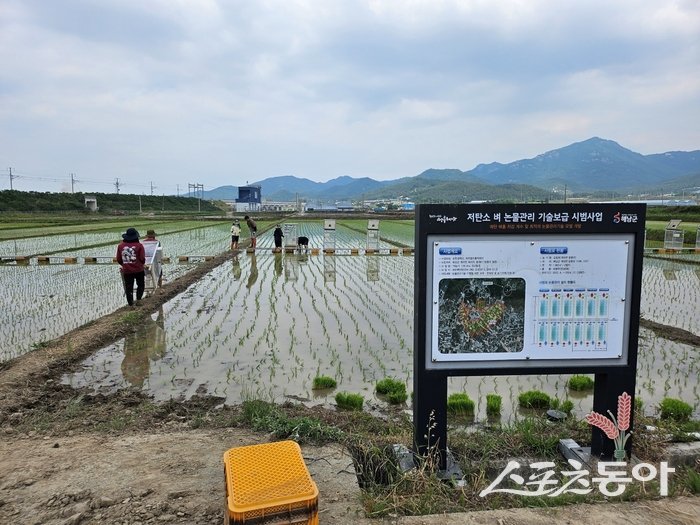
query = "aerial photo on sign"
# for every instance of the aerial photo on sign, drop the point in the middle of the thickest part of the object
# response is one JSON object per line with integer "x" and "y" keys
{"x": 481, "y": 315}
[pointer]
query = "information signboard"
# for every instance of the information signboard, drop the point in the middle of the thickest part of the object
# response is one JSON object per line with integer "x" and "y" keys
{"x": 526, "y": 286}
{"x": 329, "y": 234}
{"x": 525, "y": 289}
{"x": 289, "y": 230}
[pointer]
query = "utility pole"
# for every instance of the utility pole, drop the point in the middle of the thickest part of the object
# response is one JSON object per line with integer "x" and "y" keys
{"x": 140, "y": 210}
{"x": 72, "y": 182}
{"x": 11, "y": 177}
{"x": 194, "y": 188}
{"x": 116, "y": 185}
{"x": 178, "y": 189}
{"x": 152, "y": 187}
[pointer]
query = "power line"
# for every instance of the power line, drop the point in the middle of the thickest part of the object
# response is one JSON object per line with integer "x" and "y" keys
{"x": 73, "y": 181}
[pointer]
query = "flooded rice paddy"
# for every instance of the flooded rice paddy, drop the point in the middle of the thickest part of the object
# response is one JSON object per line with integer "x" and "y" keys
{"x": 264, "y": 325}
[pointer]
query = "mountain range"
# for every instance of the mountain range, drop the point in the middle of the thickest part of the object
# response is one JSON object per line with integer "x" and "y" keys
{"x": 590, "y": 166}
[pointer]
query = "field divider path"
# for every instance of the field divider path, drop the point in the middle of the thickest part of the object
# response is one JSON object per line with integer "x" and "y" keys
{"x": 673, "y": 333}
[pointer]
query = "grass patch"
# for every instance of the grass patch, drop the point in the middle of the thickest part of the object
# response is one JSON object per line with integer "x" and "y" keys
{"x": 324, "y": 382}
{"x": 692, "y": 481}
{"x": 348, "y": 401}
{"x": 131, "y": 318}
{"x": 394, "y": 390}
{"x": 675, "y": 409}
{"x": 375, "y": 463}
{"x": 534, "y": 399}
{"x": 460, "y": 404}
{"x": 580, "y": 382}
{"x": 267, "y": 417}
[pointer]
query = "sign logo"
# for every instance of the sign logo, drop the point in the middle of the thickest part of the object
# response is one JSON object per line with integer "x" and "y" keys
{"x": 625, "y": 218}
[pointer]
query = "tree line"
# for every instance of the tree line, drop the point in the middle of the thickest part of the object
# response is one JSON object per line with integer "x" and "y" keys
{"x": 107, "y": 203}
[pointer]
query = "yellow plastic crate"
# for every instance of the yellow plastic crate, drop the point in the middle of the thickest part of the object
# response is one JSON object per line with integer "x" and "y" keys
{"x": 268, "y": 484}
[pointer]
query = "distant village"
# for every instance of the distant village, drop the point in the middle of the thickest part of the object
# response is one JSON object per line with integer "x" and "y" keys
{"x": 250, "y": 200}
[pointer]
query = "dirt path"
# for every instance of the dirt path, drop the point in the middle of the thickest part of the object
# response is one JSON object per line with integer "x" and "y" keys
{"x": 170, "y": 473}
{"x": 176, "y": 477}
{"x": 169, "y": 477}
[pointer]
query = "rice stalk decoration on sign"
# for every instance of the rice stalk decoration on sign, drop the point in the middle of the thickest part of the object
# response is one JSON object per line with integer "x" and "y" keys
{"x": 615, "y": 428}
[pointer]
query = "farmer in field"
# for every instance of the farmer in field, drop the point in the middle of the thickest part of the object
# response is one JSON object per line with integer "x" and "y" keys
{"x": 253, "y": 231}
{"x": 131, "y": 256}
{"x": 277, "y": 234}
{"x": 151, "y": 237}
{"x": 235, "y": 234}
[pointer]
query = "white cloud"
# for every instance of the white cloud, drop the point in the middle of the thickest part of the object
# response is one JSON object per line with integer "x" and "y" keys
{"x": 246, "y": 90}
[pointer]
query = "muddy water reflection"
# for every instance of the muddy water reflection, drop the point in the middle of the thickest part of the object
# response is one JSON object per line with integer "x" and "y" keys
{"x": 129, "y": 361}
{"x": 146, "y": 344}
{"x": 266, "y": 333}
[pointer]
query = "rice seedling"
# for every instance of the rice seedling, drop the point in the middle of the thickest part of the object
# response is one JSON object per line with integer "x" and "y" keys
{"x": 460, "y": 404}
{"x": 349, "y": 401}
{"x": 394, "y": 390}
{"x": 534, "y": 399}
{"x": 323, "y": 382}
{"x": 493, "y": 404}
{"x": 675, "y": 409}
{"x": 580, "y": 382}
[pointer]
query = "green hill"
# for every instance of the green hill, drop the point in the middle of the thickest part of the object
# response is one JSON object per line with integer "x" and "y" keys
{"x": 108, "y": 203}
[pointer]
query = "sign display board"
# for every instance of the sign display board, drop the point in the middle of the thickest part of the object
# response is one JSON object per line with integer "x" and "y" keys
{"x": 528, "y": 286}
{"x": 329, "y": 234}
{"x": 154, "y": 261}
{"x": 289, "y": 230}
{"x": 673, "y": 239}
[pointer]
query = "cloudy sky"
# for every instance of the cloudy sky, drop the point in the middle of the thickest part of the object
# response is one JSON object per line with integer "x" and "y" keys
{"x": 164, "y": 93}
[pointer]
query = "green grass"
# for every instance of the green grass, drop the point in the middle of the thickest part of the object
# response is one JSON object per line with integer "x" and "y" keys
{"x": 348, "y": 401}
{"x": 268, "y": 417}
{"x": 580, "y": 382}
{"x": 534, "y": 399}
{"x": 460, "y": 404}
{"x": 692, "y": 481}
{"x": 324, "y": 382}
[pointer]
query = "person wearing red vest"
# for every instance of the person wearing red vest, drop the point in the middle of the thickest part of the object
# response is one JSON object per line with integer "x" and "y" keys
{"x": 131, "y": 256}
